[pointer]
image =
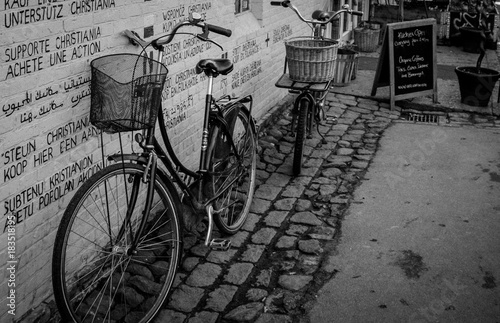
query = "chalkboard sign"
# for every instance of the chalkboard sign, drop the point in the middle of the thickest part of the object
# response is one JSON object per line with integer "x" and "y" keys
{"x": 407, "y": 61}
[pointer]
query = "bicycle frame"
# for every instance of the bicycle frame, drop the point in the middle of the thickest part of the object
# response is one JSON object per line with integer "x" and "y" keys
{"x": 153, "y": 149}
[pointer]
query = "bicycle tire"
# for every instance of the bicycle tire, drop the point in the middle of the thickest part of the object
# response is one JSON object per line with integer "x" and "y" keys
{"x": 298, "y": 152}
{"x": 233, "y": 206}
{"x": 95, "y": 276}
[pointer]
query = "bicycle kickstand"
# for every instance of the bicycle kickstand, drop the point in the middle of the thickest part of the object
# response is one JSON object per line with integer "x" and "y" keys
{"x": 215, "y": 244}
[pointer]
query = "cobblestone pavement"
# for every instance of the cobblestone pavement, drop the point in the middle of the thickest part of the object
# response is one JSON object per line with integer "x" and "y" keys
{"x": 278, "y": 261}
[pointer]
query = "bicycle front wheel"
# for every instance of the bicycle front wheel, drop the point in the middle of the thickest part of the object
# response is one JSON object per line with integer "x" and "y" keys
{"x": 97, "y": 273}
{"x": 300, "y": 136}
{"x": 233, "y": 173}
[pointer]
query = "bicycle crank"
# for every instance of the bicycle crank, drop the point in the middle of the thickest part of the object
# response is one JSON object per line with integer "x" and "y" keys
{"x": 215, "y": 244}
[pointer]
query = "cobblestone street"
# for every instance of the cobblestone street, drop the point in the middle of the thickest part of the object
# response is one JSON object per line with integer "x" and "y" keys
{"x": 276, "y": 263}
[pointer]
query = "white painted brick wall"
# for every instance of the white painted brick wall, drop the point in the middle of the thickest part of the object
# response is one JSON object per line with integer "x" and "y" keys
{"x": 53, "y": 90}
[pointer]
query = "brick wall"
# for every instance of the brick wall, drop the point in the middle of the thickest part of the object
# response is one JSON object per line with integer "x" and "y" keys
{"x": 48, "y": 146}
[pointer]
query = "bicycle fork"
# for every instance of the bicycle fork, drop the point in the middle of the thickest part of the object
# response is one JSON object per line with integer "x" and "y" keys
{"x": 147, "y": 178}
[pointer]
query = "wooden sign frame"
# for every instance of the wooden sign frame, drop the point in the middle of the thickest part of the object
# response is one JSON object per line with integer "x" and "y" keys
{"x": 389, "y": 64}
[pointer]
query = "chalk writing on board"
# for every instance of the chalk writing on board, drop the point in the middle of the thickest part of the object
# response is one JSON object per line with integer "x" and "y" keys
{"x": 413, "y": 59}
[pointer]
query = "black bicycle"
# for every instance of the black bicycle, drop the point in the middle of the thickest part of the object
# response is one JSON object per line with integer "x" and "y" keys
{"x": 313, "y": 77}
{"x": 119, "y": 242}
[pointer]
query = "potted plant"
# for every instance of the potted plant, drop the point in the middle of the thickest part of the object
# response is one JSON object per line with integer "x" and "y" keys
{"x": 476, "y": 83}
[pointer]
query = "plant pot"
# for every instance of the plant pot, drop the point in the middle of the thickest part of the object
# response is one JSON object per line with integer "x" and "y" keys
{"x": 476, "y": 85}
{"x": 345, "y": 66}
{"x": 366, "y": 39}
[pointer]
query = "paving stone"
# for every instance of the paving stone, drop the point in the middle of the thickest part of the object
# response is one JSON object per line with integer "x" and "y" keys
{"x": 221, "y": 257}
{"x": 263, "y": 236}
{"x": 190, "y": 263}
{"x": 301, "y": 180}
{"x": 293, "y": 191}
{"x": 309, "y": 264}
{"x": 238, "y": 239}
{"x": 352, "y": 138}
{"x": 204, "y": 275}
{"x": 185, "y": 298}
{"x": 344, "y": 143}
{"x": 267, "y": 192}
{"x": 286, "y": 149}
{"x": 169, "y": 316}
{"x": 345, "y": 151}
{"x": 339, "y": 200}
{"x": 338, "y": 161}
{"x": 360, "y": 109}
{"x": 363, "y": 157}
{"x": 202, "y": 317}
{"x": 278, "y": 180}
{"x": 263, "y": 278}
{"x": 253, "y": 253}
{"x": 136, "y": 269}
{"x": 320, "y": 153}
{"x": 274, "y": 154}
{"x": 296, "y": 230}
{"x": 306, "y": 218}
{"x": 200, "y": 250}
{"x": 294, "y": 282}
{"x": 360, "y": 164}
{"x": 275, "y": 133}
{"x": 262, "y": 175}
{"x": 310, "y": 246}
{"x": 368, "y": 106}
{"x": 286, "y": 242}
{"x": 322, "y": 233}
{"x": 256, "y": 294}
{"x": 238, "y": 273}
{"x": 331, "y": 172}
{"x": 221, "y": 297}
{"x": 245, "y": 313}
{"x": 365, "y": 152}
{"x": 259, "y": 206}
{"x": 303, "y": 205}
{"x": 275, "y": 218}
{"x": 327, "y": 189}
{"x": 272, "y": 160}
{"x": 250, "y": 222}
{"x": 285, "y": 204}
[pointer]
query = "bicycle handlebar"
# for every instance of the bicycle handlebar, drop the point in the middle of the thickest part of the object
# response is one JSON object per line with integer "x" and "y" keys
{"x": 193, "y": 20}
{"x": 317, "y": 20}
{"x": 219, "y": 30}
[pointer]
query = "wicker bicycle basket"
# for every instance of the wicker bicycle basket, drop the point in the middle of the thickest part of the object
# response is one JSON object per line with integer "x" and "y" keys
{"x": 311, "y": 60}
{"x": 125, "y": 92}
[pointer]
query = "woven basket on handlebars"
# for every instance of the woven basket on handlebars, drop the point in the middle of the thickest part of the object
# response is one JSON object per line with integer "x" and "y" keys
{"x": 311, "y": 60}
{"x": 125, "y": 92}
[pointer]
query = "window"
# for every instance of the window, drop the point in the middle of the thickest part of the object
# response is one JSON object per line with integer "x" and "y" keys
{"x": 241, "y": 5}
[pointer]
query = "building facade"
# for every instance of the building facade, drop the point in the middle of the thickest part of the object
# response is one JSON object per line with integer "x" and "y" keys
{"x": 48, "y": 145}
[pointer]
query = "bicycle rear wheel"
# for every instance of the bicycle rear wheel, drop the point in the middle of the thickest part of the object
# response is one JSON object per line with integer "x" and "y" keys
{"x": 233, "y": 178}
{"x": 300, "y": 137}
{"x": 96, "y": 275}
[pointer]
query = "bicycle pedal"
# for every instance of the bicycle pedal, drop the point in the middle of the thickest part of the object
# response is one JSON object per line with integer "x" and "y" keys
{"x": 220, "y": 244}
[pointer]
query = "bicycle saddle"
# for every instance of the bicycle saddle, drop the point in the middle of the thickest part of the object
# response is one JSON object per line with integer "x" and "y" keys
{"x": 322, "y": 15}
{"x": 214, "y": 67}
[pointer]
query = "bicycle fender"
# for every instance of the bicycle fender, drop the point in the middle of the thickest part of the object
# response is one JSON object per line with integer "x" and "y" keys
{"x": 304, "y": 95}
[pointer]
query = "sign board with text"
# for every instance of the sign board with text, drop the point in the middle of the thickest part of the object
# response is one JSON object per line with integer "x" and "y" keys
{"x": 407, "y": 62}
